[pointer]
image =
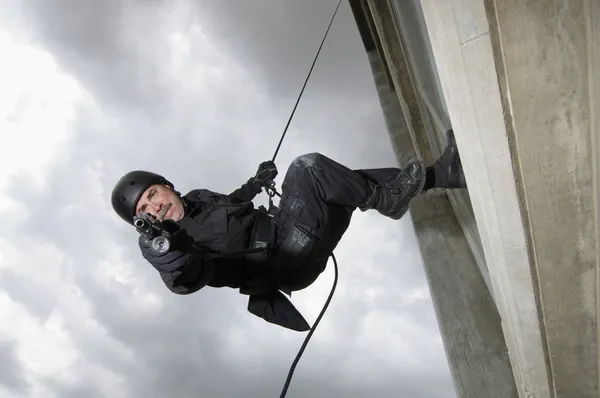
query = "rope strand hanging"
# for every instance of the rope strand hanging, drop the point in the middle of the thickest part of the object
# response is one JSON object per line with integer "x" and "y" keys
{"x": 272, "y": 191}
{"x": 306, "y": 80}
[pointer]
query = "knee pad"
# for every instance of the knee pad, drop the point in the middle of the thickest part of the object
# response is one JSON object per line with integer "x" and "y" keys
{"x": 308, "y": 160}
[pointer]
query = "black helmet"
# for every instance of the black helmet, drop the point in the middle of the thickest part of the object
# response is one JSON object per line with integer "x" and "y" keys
{"x": 128, "y": 190}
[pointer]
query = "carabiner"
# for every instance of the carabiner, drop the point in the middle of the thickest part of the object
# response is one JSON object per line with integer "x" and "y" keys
{"x": 270, "y": 188}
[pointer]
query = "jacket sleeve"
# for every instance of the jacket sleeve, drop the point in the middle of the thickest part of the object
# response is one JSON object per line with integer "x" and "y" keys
{"x": 191, "y": 277}
{"x": 187, "y": 282}
{"x": 246, "y": 192}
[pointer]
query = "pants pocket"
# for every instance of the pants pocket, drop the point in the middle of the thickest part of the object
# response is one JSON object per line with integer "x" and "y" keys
{"x": 293, "y": 249}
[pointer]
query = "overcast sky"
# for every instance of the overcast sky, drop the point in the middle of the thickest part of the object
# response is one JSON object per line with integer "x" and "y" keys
{"x": 199, "y": 91}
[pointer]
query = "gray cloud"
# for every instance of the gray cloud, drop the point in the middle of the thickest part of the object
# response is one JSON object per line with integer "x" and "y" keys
{"x": 97, "y": 43}
{"x": 65, "y": 390}
{"x": 11, "y": 372}
{"x": 213, "y": 134}
{"x": 20, "y": 290}
{"x": 278, "y": 41}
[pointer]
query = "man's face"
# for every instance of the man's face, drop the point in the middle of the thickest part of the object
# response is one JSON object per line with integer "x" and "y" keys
{"x": 159, "y": 201}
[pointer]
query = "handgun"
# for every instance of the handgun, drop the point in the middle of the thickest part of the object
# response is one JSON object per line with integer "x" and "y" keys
{"x": 152, "y": 231}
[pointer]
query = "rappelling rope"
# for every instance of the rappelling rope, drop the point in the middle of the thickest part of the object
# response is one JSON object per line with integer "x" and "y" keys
{"x": 272, "y": 191}
{"x": 306, "y": 81}
{"x": 312, "y": 330}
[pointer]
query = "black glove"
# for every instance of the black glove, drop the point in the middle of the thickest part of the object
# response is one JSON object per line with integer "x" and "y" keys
{"x": 178, "y": 253}
{"x": 267, "y": 171}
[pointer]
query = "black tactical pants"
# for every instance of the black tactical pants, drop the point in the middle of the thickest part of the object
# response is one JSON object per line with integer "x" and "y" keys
{"x": 318, "y": 197}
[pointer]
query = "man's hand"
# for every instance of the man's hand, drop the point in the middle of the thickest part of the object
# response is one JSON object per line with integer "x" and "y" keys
{"x": 175, "y": 257}
{"x": 267, "y": 171}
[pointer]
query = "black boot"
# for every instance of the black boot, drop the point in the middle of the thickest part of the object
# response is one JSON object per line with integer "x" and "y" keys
{"x": 447, "y": 171}
{"x": 392, "y": 198}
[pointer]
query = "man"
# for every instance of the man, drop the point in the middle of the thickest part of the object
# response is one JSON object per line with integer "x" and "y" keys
{"x": 221, "y": 240}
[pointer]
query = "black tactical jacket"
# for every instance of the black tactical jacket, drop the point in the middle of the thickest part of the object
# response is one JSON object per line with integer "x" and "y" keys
{"x": 219, "y": 223}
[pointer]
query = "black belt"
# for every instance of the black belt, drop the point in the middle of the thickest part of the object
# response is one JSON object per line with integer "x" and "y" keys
{"x": 262, "y": 238}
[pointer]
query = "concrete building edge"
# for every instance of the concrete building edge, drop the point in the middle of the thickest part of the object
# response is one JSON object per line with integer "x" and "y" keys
{"x": 381, "y": 53}
{"x": 430, "y": 146}
{"x": 401, "y": 81}
{"x": 593, "y": 35}
{"x": 592, "y": 8}
{"x": 496, "y": 46}
{"x": 375, "y": 54}
{"x": 528, "y": 359}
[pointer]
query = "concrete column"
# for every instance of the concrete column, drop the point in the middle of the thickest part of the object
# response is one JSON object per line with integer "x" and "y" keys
{"x": 466, "y": 313}
{"x": 520, "y": 80}
{"x": 468, "y": 321}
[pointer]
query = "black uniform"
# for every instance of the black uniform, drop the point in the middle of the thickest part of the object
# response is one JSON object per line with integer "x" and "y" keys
{"x": 210, "y": 244}
{"x": 318, "y": 197}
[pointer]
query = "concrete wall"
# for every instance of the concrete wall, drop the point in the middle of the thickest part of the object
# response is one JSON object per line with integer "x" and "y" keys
{"x": 520, "y": 80}
{"x": 468, "y": 321}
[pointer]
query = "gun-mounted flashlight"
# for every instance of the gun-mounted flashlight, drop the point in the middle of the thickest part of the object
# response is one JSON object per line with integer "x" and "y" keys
{"x": 149, "y": 227}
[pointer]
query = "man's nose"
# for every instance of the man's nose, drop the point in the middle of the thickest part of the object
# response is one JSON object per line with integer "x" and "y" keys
{"x": 155, "y": 207}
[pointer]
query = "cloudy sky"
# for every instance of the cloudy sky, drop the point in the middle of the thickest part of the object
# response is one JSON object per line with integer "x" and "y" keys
{"x": 199, "y": 91}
